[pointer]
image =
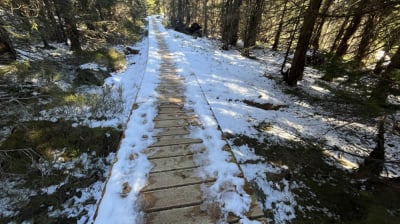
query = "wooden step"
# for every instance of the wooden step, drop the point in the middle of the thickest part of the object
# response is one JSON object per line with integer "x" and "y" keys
{"x": 185, "y": 215}
{"x": 177, "y": 142}
{"x": 172, "y": 163}
{"x": 174, "y": 117}
{"x": 170, "y": 198}
{"x": 169, "y": 151}
{"x": 173, "y": 111}
{"x": 169, "y": 179}
{"x": 170, "y": 123}
{"x": 172, "y": 131}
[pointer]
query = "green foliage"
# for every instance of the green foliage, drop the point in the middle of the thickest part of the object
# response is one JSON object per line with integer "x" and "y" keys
{"x": 116, "y": 59}
{"x": 335, "y": 67}
{"x": 110, "y": 58}
{"x": 395, "y": 75}
{"x": 153, "y": 7}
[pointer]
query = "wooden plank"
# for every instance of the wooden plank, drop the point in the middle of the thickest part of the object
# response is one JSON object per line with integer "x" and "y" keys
{"x": 170, "y": 123}
{"x": 168, "y": 151}
{"x": 173, "y": 98}
{"x": 175, "y": 178}
{"x": 174, "y": 117}
{"x": 172, "y": 131}
{"x": 170, "y": 105}
{"x": 173, "y": 111}
{"x": 186, "y": 215}
{"x": 172, "y": 198}
{"x": 172, "y": 163}
{"x": 177, "y": 142}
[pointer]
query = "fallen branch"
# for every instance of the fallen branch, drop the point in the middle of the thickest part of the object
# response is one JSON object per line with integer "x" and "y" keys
{"x": 28, "y": 152}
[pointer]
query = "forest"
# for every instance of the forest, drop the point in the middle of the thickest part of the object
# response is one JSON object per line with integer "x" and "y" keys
{"x": 357, "y": 41}
{"x": 62, "y": 121}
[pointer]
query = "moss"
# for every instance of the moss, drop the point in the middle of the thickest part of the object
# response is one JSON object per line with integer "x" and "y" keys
{"x": 117, "y": 60}
{"x": 45, "y": 137}
{"x": 88, "y": 77}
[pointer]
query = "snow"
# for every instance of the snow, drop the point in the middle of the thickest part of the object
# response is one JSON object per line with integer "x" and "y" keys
{"x": 132, "y": 166}
{"x": 222, "y": 80}
{"x": 92, "y": 66}
{"x": 217, "y": 83}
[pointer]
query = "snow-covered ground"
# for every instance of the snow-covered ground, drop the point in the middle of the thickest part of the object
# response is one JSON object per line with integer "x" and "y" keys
{"x": 222, "y": 81}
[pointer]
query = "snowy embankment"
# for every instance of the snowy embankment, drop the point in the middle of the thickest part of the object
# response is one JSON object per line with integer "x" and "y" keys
{"x": 130, "y": 170}
{"x": 228, "y": 79}
{"x": 224, "y": 80}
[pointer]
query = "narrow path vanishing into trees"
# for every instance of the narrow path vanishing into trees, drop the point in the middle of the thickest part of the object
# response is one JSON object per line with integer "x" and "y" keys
{"x": 174, "y": 194}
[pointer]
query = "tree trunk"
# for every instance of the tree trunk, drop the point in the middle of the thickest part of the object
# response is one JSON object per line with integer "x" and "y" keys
{"x": 280, "y": 26}
{"x": 205, "y": 17}
{"x": 188, "y": 13}
{"x": 230, "y": 23}
{"x": 318, "y": 32}
{"x": 339, "y": 35}
{"x": 373, "y": 164}
{"x": 351, "y": 29}
{"x": 7, "y": 52}
{"x": 172, "y": 13}
{"x": 367, "y": 37}
{"x": 296, "y": 72}
{"x": 382, "y": 89}
{"x": 73, "y": 34}
{"x": 254, "y": 15}
{"x": 65, "y": 10}
{"x": 57, "y": 33}
{"x": 180, "y": 15}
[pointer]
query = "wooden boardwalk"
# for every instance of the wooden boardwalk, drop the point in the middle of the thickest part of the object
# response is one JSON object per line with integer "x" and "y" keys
{"x": 174, "y": 194}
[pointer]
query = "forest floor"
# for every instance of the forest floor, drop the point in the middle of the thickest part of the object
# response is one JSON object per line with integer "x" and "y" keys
{"x": 300, "y": 148}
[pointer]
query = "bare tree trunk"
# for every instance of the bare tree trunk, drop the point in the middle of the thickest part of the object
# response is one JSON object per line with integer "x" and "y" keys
{"x": 73, "y": 34}
{"x": 71, "y": 30}
{"x": 381, "y": 91}
{"x": 367, "y": 37}
{"x": 57, "y": 31}
{"x": 318, "y": 30}
{"x": 280, "y": 26}
{"x": 339, "y": 35}
{"x": 7, "y": 52}
{"x": 205, "y": 17}
{"x": 299, "y": 59}
{"x": 180, "y": 15}
{"x": 373, "y": 164}
{"x": 230, "y": 23}
{"x": 253, "y": 19}
{"x": 351, "y": 29}
{"x": 188, "y": 13}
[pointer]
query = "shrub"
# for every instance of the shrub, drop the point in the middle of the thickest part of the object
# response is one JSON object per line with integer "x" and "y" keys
{"x": 116, "y": 60}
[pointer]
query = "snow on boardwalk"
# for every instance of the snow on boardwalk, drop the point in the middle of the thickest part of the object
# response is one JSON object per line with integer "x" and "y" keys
{"x": 175, "y": 191}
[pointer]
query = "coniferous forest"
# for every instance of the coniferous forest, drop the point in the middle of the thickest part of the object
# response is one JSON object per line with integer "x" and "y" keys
{"x": 61, "y": 121}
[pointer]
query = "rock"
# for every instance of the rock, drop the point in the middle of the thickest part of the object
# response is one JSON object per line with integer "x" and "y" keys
{"x": 129, "y": 50}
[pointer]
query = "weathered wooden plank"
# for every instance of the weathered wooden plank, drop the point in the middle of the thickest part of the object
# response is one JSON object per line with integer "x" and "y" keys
{"x": 168, "y": 151}
{"x": 175, "y": 178}
{"x": 172, "y": 131}
{"x": 172, "y": 198}
{"x": 177, "y": 142}
{"x": 186, "y": 215}
{"x": 171, "y": 123}
{"x": 172, "y": 163}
